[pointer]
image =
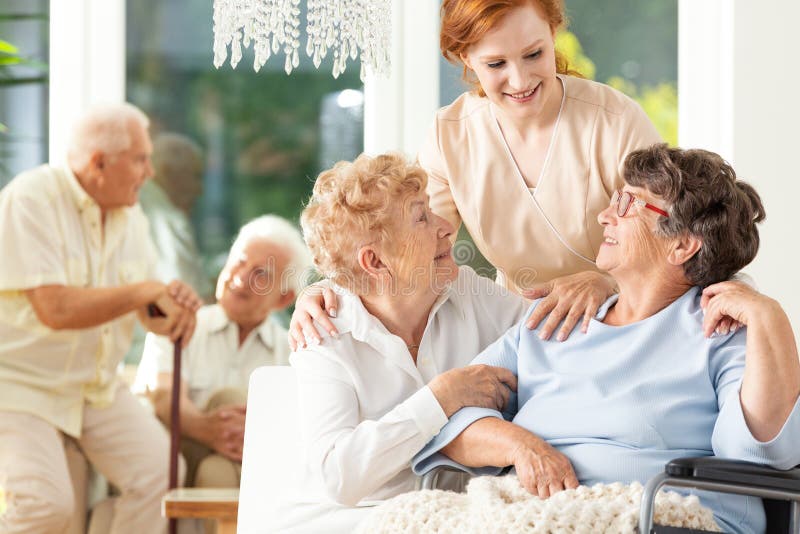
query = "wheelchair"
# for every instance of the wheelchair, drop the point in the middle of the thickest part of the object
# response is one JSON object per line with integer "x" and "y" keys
{"x": 780, "y": 490}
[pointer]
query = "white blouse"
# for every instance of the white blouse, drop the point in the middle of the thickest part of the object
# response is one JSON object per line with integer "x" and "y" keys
{"x": 365, "y": 408}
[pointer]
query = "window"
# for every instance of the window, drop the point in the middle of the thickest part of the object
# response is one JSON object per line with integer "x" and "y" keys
{"x": 24, "y": 44}
{"x": 264, "y": 135}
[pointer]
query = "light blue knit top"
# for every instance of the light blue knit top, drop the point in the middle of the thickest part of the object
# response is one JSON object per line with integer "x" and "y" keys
{"x": 621, "y": 401}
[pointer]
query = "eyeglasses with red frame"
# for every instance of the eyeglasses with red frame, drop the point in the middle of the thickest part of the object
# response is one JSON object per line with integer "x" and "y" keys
{"x": 624, "y": 200}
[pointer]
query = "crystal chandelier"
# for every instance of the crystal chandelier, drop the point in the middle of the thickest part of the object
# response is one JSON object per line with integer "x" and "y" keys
{"x": 347, "y": 28}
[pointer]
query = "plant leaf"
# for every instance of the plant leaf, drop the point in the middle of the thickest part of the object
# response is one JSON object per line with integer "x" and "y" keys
{"x": 8, "y": 48}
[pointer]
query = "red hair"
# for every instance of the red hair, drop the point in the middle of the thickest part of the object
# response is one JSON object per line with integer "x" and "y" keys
{"x": 465, "y": 22}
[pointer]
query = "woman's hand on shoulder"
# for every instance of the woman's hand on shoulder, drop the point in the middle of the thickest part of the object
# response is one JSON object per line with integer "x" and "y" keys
{"x": 572, "y": 299}
{"x": 316, "y": 303}
{"x": 541, "y": 469}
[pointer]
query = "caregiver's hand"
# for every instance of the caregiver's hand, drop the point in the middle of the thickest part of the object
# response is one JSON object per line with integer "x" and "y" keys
{"x": 484, "y": 386}
{"x": 572, "y": 298}
{"x": 541, "y": 469}
{"x": 316, "y": 302}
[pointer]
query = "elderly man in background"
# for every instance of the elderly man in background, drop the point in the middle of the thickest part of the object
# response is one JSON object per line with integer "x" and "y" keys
{"x": 77, "y": 263}
{"x": 264, "y": 273}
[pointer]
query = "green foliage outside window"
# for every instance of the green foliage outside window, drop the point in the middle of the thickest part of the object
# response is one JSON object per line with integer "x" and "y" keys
{"x": 660, "y": 101}
{"x": 17, "y": 68}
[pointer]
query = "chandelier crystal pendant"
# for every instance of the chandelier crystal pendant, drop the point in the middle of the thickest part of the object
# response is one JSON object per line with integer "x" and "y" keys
{"x": 346, "y": 28}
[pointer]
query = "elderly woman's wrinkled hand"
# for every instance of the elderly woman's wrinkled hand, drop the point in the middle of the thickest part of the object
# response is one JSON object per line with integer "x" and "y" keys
{"x": 541, "y": 469}
{"x": 728, "y": 305}
{"x": 572, "y": 298}
{"x": 483, "y": 386}
{"x": 316, "y": 303}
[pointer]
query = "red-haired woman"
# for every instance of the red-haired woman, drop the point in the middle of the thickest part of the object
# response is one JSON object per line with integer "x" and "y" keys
{"x": 531, "y": 155}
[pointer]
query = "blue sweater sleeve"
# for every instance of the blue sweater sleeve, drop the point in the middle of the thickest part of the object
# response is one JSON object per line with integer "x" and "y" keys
{"x": 731, "y": 437}
{"x": 501, "y": 353}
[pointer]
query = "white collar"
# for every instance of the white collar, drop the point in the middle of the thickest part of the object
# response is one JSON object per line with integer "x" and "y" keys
{"x": 353, "y": 316}
{"x": 218, "y": 320}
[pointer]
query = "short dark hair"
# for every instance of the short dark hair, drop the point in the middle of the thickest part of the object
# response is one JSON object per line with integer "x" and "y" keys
{"x": 704, "y": 199}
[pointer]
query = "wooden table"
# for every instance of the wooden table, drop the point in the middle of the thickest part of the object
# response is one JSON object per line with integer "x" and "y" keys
{"x": 221, "y": 504}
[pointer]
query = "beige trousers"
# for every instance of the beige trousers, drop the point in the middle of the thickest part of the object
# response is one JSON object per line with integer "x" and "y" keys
{"x": 123, "y": 441}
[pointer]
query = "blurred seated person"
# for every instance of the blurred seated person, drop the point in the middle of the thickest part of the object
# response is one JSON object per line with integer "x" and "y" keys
{"x": 167, "y": 201}
{"x": 263, "y": 274}
{"x": 660, "y": 373}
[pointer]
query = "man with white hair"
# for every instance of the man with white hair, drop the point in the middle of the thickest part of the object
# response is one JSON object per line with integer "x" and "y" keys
{"x": 77, "y": 261}
{"x": 264, "y": 272}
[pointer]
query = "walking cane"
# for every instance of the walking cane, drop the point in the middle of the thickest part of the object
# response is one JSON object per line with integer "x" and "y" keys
{"x": 175, "y": 413}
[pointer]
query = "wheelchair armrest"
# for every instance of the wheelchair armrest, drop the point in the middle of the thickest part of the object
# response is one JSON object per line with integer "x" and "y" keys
{"x": 429, "y": 479}
{"x": 728, "y": 476}
{"x": 716, "y": 469}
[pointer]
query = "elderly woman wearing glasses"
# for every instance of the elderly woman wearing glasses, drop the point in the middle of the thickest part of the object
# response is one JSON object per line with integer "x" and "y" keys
{"x": 650, "y": 380}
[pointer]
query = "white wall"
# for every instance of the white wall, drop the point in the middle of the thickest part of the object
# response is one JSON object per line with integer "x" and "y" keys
{"x": 87, "y": 62}
{"x": 399, "y": 109}
{"x": 737, "y": 95}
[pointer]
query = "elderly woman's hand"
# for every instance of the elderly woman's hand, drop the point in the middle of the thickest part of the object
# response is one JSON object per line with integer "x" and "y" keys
{"x": 541, "y": 469}
{"x": 572, "y": 298}
{"x": 727, "y": 305}
{"x": 483, "y": 386}
{"x": 311, "y": 305}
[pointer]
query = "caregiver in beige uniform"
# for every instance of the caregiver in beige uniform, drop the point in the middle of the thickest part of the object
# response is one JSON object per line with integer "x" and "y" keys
{"x": 526, "y": 160}
{"x": 530, "y": 157}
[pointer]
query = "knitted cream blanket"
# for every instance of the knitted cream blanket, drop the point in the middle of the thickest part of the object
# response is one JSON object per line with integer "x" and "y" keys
{"x": 501, "y": 504}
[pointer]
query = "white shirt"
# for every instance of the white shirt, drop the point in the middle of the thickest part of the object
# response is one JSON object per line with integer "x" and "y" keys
{"x": 51, "y": 232}
{"x": 365, "y": 408}
{"x": 213, "y": 359}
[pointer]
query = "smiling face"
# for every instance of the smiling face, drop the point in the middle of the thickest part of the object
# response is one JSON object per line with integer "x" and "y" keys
{"x": 423, "y": 259}
{"x": 249, "y": 286}
{"x": 516, "y": 65}
{"x": 123, "y": 174}
{"x": 630, "y": 244}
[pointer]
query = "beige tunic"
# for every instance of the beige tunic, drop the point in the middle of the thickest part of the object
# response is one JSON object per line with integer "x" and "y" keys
{"x": 534, "y": 237}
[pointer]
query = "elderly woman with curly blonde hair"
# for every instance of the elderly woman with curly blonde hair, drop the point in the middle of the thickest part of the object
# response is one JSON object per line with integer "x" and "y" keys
{"x": 371, "y": 397}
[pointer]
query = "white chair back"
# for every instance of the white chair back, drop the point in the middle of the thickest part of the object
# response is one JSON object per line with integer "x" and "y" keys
{"x": 271, "y": 454}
